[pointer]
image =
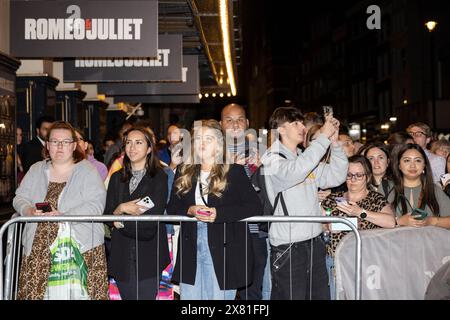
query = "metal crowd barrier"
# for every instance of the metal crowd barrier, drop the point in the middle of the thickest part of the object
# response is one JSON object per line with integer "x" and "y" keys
{"x": 15, "y": 231}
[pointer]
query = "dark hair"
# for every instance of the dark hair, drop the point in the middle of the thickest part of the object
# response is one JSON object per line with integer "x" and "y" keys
{"x": 81, "y": 133}
{"x": 42, "y": 119}
{"x": 310, "y": 134}
{"x": 109, "y": 137}
{"x": 427, "y": 196}
{"x": 152, "y": 164}
{"x": 399, "y": 138}
{"x": 282, "y": 115}
{"x": 366, "y": 166}
{"x": 78, "y": 154}
{"x": 313, "y": 118}
{"x": 366, "y": 148}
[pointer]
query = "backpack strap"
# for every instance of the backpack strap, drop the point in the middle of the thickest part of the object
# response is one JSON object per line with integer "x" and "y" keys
{"x": 279, "y": 196}
{"x": 280, "y": 154}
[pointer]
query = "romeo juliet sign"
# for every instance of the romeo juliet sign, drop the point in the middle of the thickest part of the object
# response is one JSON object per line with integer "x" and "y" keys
{"x": 86, "y": 28}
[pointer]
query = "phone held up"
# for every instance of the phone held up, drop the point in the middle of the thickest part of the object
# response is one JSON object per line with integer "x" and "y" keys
{"x": 44, "y": 206}
{"x": 327, "y": 111}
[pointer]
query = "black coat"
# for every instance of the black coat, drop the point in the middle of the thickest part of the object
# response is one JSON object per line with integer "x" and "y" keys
{"x": 238, "y": 201}
{"x": 123, "y": 241}
{"x": 32, "y": 152}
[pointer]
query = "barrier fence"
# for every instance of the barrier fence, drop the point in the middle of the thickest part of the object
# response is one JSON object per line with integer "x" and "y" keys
{"x": 13, "y": 253}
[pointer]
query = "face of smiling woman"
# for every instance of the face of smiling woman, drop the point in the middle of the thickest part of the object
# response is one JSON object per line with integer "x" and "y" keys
{"x": 137, "y": 149}
{"x": 412, "y": 164}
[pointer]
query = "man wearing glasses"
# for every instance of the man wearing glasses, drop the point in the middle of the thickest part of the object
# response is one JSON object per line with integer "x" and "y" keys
{"x": 421, "y": 134}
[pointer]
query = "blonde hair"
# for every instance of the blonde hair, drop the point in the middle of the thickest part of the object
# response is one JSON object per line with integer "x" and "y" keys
{"x": 440, "y": 144}
{"x": 217, "y": 180}
{"x": 426, "y": 128}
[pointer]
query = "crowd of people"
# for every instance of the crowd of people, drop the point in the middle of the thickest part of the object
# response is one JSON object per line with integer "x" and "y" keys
{"x": 311, "y": 168}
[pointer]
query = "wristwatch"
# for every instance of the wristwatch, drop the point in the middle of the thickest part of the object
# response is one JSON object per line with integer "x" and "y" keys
{"x": 363, "y": 214}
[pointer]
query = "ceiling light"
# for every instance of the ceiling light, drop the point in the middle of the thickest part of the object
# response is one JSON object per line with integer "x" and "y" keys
{"x": 431, "y": 25}
{"x": 221, "y": 95}
{"x": 206, "y": 95}
{"x": 223, "y": 5}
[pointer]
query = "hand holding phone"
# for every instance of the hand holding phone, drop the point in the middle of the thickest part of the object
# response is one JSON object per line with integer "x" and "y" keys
{"x": 204, "y": 212}
{"x": 445, "y": 179}
{"x": 43, "y": 206}
{"x": 327, "y": 112}
{"x": 145, "y": 202}
{"x": 341, "y": 200}
{"x": 419, "y": 214}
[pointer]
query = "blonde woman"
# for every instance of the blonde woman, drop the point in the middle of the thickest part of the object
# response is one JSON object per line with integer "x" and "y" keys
{"x": 215, "y": 254}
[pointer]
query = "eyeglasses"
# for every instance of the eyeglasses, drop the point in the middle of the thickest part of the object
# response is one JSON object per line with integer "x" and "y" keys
{"x": 417, "y": 134}
{"x": 64, "y": 143}
{"x": 357, "y": 176}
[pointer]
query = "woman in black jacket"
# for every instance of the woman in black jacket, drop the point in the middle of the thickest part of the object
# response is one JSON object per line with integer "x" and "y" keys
{"x": 139, "y": 251}
{"x": 215, "y": 254}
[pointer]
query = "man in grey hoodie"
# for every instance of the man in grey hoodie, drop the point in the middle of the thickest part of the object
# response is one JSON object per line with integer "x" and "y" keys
{"x": 297, "y": 252}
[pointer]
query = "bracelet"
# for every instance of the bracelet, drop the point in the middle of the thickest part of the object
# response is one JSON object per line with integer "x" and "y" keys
{"x": 396, "y": 221}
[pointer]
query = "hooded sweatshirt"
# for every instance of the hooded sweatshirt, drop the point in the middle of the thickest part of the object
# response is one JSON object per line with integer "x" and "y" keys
{"x": 299, "y": 177}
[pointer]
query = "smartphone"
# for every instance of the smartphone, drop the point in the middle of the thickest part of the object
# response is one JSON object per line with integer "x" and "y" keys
{"x": 44, "y": 206}
{"x": 146, "y": 202}
{"x": 341, "y": 200}
{"x": 445, "y": 178}
{"x": 327, "y": 111}
{"x": 204, "y": 212}
{"x": 421, "y": 214}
